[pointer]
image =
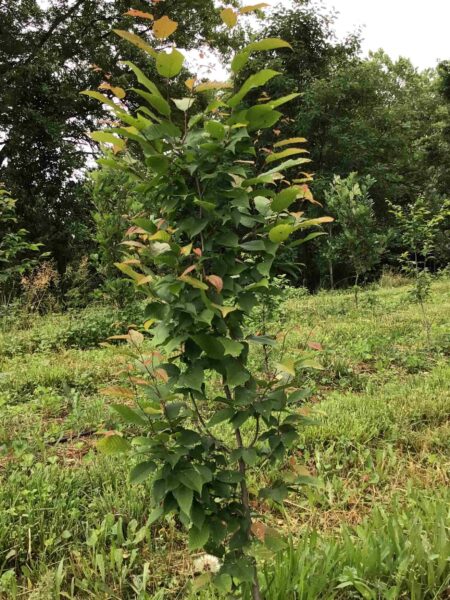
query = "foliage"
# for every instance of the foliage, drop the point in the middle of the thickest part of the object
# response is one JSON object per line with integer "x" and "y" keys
{"x": 48, "y": 51}
{"x": 15, "y": 251}
{"x": 199, "y": 253}
{"x": 421, "y": 225}
{"x": 383, "y": 431}
{"x": 353, "y": 237}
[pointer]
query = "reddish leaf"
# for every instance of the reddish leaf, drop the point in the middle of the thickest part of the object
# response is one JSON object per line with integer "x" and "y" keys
{"x": 216, "y": 281}
{"x": 315, "y": 345}
{"x": 188, "y": 270}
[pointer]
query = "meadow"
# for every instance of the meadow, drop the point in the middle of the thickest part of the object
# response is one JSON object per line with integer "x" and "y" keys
{"x": 375, "y": 525}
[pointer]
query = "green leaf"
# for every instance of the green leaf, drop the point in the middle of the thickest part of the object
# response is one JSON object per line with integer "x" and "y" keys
{"x": 282, "y": 100}
{"x": 192, "y": 378}
{"x": 169, "y": 65}
{"x": 113, "y": 444}
{"x": 215, "y": 129}
{"x": 284, "y": 199}
{"x": 308, "y": 238}
{"x": 265, "y": 177}
{"x": 198, "y": 537}
{"x": 261, "y": 117}
{"x": 280, "y": 233}
{"x": 143, "y": 79}
{"x": 250, "y": 456}
{"x": 155, "y": 515}
{"x": 236, "y": 373}
{"x": 221, "y": 415}
{"x": 267, "y": 44}
{"x": 287, "y": 142}
{"x": 277, "y": 494}
{"x": 136, "y": 41}
{"x": 183, "y": 104}
{"x": 190, "y": 478}
{"x": 108, "y": 138}
{"x": 254, "y": 81}
{"x": 129, "y": 415}
{"x": 158, "y": 163}
{"x": 223, "y": 582}
{"x": 209, "y": 344}
{"x": 184, "y": 496}
{"x": 232, "y": 348}
{"x": 288, "y": 152}
{"x": 240, "y": 60}
{"x": 161, "y": 105}
{"x": 142, "y": 471}
{"x": 162, "y": 130}
{"x": 195, "y": 283}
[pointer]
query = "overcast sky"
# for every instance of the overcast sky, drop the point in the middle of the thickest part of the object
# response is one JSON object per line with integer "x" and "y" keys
{"x": 417, "y": 29}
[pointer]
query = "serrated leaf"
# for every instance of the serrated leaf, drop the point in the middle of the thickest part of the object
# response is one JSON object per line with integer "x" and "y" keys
{"x": 169, "y": 65}
{"x": 164, "y": 27}
{"x": 198, "y": 537}
{"x": 113, "y": 444}
{"x": 280, "y": 233}
{"x": 136, "y": 41}
{"x": 229, "y": 17}
{"x": 142, "y": 471}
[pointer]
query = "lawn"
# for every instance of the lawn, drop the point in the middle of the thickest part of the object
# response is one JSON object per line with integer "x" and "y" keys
{"x": 376, "y": 524}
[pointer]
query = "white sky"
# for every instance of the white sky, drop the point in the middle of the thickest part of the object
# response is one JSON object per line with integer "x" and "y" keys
{"x": 416, "y": 29}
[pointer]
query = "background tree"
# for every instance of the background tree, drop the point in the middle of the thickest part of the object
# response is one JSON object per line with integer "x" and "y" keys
{"x": 47, "y": 54}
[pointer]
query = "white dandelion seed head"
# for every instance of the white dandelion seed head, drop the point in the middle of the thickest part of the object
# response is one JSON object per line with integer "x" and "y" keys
{"x": 207, "y": 563}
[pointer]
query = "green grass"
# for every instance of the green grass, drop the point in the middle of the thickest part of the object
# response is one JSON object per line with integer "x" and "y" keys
{"x": 376, "y": 525}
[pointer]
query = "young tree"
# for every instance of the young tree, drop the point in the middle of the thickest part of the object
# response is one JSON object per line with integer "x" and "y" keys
{"x": 421, "y": 226}
{"x": 199, "y": 253}
{"x": 353, "y": 237}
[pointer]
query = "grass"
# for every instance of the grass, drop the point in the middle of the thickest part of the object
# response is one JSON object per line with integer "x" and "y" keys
{"x": 376, "y": 525}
